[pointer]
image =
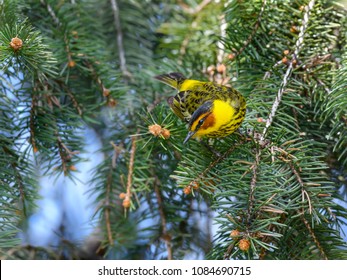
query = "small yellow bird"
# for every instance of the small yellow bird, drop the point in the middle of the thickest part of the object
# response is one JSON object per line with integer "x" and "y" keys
{"x": 210, "y": 109}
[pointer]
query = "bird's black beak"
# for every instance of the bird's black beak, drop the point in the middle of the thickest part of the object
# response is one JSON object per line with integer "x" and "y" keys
{"x": 189, "y": 135}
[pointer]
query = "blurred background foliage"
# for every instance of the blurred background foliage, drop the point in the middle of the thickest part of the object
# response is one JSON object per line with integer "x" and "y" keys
{"x": 77, "y": 76}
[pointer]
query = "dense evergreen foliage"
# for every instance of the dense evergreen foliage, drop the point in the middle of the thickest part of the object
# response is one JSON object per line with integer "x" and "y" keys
{"x": 75, "y": 64}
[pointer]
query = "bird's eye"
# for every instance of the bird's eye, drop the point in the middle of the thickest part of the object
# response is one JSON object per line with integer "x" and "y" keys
{"x": 201, "y": 121}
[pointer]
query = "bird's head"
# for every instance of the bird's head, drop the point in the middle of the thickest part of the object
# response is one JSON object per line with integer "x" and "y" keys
{"x": 202, "y": 121}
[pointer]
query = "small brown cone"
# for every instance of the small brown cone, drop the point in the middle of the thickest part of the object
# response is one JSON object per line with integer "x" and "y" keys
{"x": 284, "y": 60}
{"x": 73, "y": 168}
{"x": 166, "y": 133}
{"x": 221, "y": 68}
{"x": 194, "y": 185}
{"x": 155, "y": 129}
{"x": 126, "y": 203}
{"x": 187, "y": 190}
{"x": 16, "y": 43}
{"x": 106, "y": 92}
{"x": 231, "y": 56}
{"x": 122, "y": 195}
{"x": 71, "y": 63}
{"x": 234, "y": 234}
{"x": 244, "y": 244}
{"x": 112, "y": 102}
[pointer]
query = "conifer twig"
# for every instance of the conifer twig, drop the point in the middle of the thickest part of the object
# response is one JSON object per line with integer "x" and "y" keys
{"x": 255, "y": 28}
{"x": 108, "y": 210}
{"x": 74, "y": 101}
{"x": 131, "y": 166}
{"x": 214, "y": 163}
{"x": 314, "y": 237}
{"x": 104, "y": 90}
{"x": 253, "y": 185}
{"x": 51, "y": 12}
{"x": 287, "y": 75}
{"x": 18, "y": 175}
{"x": 116, "y": 153}
{"x": 165, "y": 235}
{"x": 32, "y": 122}
{"x": 64, "y": 152}
{"x": 121, "y": 52}
{"x": 302, "y": 185}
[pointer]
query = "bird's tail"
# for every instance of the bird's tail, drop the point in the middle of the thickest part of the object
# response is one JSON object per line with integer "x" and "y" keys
{"x": 174, "y": 80}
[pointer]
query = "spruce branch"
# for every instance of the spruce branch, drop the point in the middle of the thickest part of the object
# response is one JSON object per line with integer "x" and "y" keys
{"x": 255, "y": 28}
{"x": 31, "y": 123}
{"x": 165, "y": 234}
{"x": 104, "y": 90}
{"x": 195, "y": 181}
{"x": 126, "y": 201}
{"x": 313, "y": 235}
{"x": 17, "y": 174}
{"x": 108, "y": 210}
{"x": 57, "y": 22}
{"x": 302, "y": 185}
{"x": 75, "y": 103}
{"x": 116, "y": 152}
{"x": 253, "y": 185}
{"x": 287, "y": 75}
{"x": 51, "y": 12}
{"x": 121, "y": 51}
{"x": 65, "y": 154}
{"x": 117, "y": 149}
{"x": 71, "y": 62}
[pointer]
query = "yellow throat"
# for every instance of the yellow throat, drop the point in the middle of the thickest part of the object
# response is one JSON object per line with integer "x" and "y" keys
{"x": 222, "y": 113}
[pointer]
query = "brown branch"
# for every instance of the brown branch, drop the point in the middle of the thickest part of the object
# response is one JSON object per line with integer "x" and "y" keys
{"x": 62, "y": 155}
{"x": 253, "y": 185}
{"x": 165, "y": 235}
{"x": 115, "y": 156}
{"x": 108, "y": 210}
{"x": 65, "y": 153}
{"x": 74, "y": 101}
{"x": 314, "y": 237}
{"x": 117, "y": 149}
{"x": 131, "y": 165}
{"x": 105, "y": 91}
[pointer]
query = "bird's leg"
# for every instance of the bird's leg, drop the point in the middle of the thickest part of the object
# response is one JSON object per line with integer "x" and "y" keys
{"x": 212, "y": 150}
